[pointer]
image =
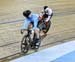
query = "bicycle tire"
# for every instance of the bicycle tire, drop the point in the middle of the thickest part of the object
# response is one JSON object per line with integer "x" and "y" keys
{"x": 24, "y": 45}
{"x": 47, "y": 27}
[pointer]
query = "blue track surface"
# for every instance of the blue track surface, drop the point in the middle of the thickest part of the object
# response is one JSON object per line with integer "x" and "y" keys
{"x": 70, "y": 57}
{"x": 60, "y": 53}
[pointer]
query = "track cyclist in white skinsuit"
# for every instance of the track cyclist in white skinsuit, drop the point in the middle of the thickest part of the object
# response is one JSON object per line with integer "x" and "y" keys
{"x": 31, "y": 22}
{"x": 46, "y": 13}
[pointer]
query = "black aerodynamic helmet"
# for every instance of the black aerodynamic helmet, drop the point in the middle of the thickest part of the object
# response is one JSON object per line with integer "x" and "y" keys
{"x": 45, "y": 7}
{"x": 26, "y": 13}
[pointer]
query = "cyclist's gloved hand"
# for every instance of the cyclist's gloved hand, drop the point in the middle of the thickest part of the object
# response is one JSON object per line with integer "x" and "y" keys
{"x": 22, "y": 30}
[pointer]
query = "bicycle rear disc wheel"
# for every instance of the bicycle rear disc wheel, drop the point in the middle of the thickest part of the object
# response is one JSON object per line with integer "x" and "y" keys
{"x": 25, "y": 45}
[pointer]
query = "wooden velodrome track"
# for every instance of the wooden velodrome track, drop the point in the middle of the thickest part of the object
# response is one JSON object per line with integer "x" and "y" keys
{"x": 11, "y": 20}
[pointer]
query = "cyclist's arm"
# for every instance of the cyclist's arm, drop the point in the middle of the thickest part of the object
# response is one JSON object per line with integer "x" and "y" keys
{"x": 48, "y": 18}
{"x": 26, "y": 22}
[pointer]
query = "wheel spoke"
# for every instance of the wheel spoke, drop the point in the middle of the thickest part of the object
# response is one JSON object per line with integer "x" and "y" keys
{"x": 24, "y": 45}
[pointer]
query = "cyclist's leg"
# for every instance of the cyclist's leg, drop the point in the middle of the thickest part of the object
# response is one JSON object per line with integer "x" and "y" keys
{"x": 32, "y": 31}
{"x": 32, "y": 35}
{"x": 37, "y": 38}
{"x": 30, "y": 26}
{"x": 37, "y": 32}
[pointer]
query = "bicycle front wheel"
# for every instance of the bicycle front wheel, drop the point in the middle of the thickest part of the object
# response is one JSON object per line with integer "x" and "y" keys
{"x": 25, "y": 44}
